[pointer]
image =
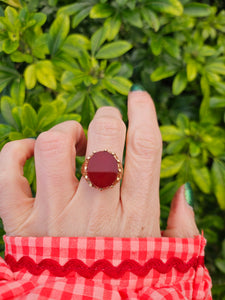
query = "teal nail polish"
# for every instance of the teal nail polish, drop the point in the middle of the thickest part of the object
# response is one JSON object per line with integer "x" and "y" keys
{"x": 189, "y": 196}
{"x": 137, "y": 87}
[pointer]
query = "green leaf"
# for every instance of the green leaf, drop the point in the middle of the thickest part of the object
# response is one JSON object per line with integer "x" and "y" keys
{"x": 202, "y": 178}
{"x": 195, "y": 9}
{"x": 133, "y": 17}
{"x": 176, "y": 146}
{"x": 14, "y": 135}
{"x": 7, "y": 105}
{"x": 45, "y": 74}
{"x": 60, "y": 105}
{"x": 58, "y": 33}
{"x": 75, "y": 101}
{"x": 191, "y": 70}
{"x": 205, "y": 86}
{"x": 171, "y": 165}
{"x": 218, "y": 177}
{"x": 220, "y": 263}
{"x": 76, "y": 40}
{"x": 216, "y": 67}
{"x": 223, "y": 244}
{"x": 204, "y": 108}
{"x": 220, "y": 87}
{"x": 120, "y": 84}
{"x": 5, "y": 131}
{"x": 72, "y": 9}
{"x": 179, "y": 83}
{"x": 182, "y": 121}
{"x": 112, "y": 26}
{"x": 17, "y": 91}
{"x": 9, "y": 46}
{"x": 11, "y": 14}
{"x": 113, "y": 69}
{"x": 101, "y": 10}
{"x": 40, "y": 18}
{"x": 18, "y": 56}
{"x": 88, "y": 111}
{"x": 173, "y": 7}
{"x": 98, "y": 38}
{"x": 71, "y": 79}
{"x": 214, "y": 221}
{"x": 156, "y": 44}
{"x": 126, "y": 70}
{"x": 217, "y": 102}
{"x": 67, "y": 117}
{"x": 14, "y": 3}
{"x": 30, "y": 76}
{"x": 168, "y": 191}
{"x": 84, "y": 60}
{"x": 151, "y": 18}
{"x": 40, "y": 46}
{"x": 80, "y": 16}
{"x": 7, "y": 74}
{"x": 28, "y": 132}
{"x": 113, "y": 50}
{"x": 101, "y": 100}
{"x": 163, "y": 72}
{"x": 46, "y": 115}
{"x": 17, "y": 116}
{"x": 29, "y": 117}
{"x": 194, "y": 148}
{"x": 216, "y": 146}
{"x": 208, "y": 51}
{"x": 171, "y": 133}
{"x": 29, "y": 170}
{"x": 171, "y": 46}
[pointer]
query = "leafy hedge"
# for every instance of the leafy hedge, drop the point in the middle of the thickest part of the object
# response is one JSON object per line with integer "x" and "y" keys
{"x": 61, "y": 60}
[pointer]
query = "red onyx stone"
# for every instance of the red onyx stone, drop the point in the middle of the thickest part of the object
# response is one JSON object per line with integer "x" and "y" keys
{"x": 102, "y": 169}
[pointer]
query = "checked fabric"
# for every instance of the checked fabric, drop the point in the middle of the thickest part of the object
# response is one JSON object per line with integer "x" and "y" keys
{"x": 104, "y": 268}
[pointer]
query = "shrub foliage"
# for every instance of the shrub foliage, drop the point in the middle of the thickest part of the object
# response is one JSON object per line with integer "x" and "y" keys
{"x": 61, "y": 60}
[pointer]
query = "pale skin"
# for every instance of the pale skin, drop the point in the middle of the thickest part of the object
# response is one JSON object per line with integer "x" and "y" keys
{"x": 63, "y": 206}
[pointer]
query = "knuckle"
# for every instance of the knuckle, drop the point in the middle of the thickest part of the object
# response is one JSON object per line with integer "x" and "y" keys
{"x": 145, "y": 143}
{"x": 4, "y": 180}
{"x": 51, "y": 141}
{"x": 111, "y": 127}
{"x": 12, "y": 148}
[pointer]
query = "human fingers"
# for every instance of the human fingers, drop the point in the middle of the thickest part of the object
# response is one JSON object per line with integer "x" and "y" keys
{"x": 55, "y": 152}
{"x": 106, "y": 131}
{"x": 15, "y": 193}
{"x": 140, "y": 186}
{"x": 181, "y": 220}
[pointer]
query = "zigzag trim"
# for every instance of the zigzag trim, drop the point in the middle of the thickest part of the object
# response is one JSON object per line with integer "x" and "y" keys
{"x": 76, "y": 265}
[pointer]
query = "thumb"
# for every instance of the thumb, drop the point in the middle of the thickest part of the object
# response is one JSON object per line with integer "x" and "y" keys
{"x": 181, "y": 220}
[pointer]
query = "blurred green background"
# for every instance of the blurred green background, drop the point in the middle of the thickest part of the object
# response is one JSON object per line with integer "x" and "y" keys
{"x": 61, "y": 60}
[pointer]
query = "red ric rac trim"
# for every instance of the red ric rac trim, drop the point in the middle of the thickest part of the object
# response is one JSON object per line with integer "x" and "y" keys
{"x": 76, "y": 265}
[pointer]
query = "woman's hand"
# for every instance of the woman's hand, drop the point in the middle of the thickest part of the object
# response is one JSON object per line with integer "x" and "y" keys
{"x": 63, "y": 206}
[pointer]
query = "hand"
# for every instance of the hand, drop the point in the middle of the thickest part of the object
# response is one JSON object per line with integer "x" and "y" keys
{"x": 63, "y": 206}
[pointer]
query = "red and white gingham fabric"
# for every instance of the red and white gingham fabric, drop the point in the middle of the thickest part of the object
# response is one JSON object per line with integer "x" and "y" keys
{"x": 193, "y": 284}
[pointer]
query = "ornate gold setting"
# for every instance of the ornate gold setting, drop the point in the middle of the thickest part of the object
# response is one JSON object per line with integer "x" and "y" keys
{"x": 85, "y": 174}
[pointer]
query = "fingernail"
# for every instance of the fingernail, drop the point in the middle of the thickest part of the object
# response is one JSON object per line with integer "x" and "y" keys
{"x": 188, "y": 192}
{"x": 137, "y": 87}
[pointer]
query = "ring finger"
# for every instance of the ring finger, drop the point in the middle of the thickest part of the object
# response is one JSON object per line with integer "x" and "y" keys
{"x": 106, "y": 131}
